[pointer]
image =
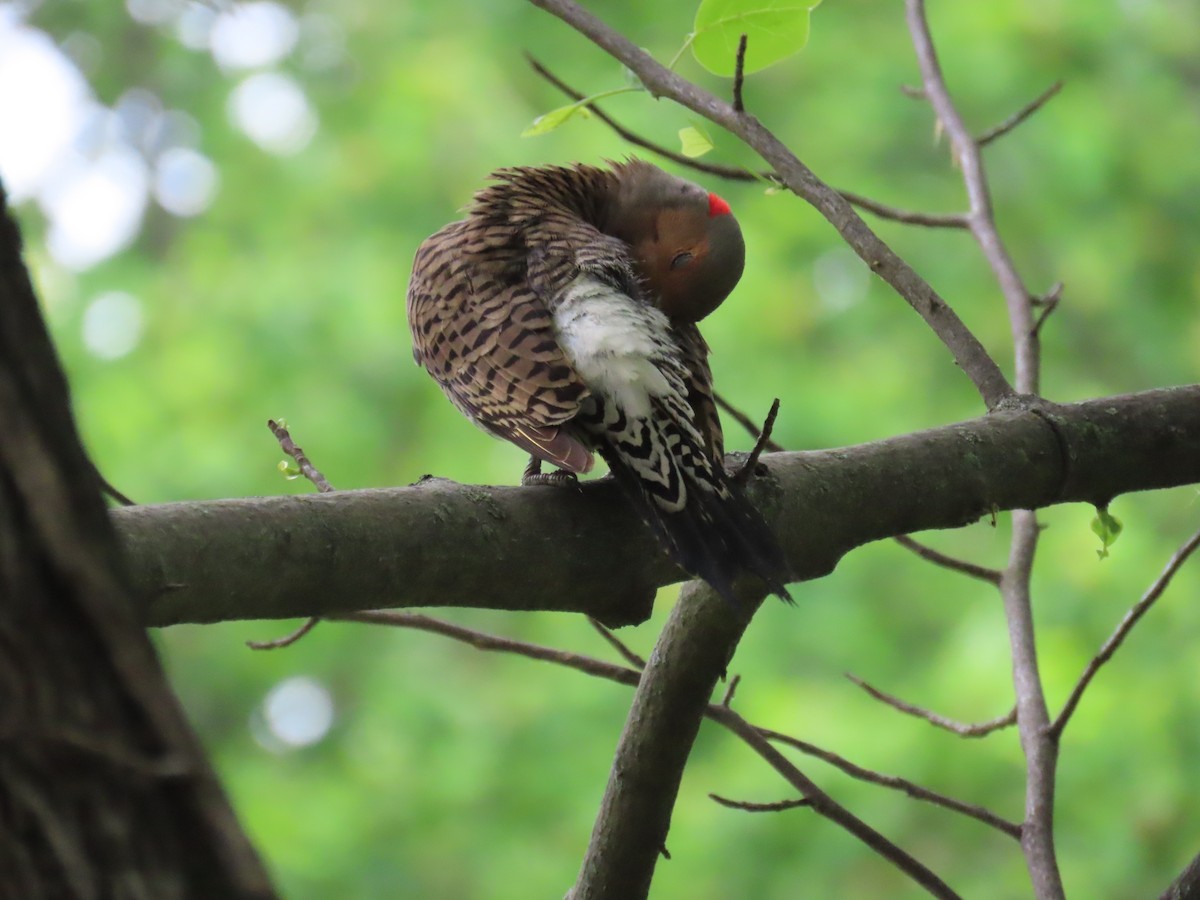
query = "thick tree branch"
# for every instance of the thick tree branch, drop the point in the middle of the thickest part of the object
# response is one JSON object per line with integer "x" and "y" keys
{"x": 797, "y": 177}
{"x": 437, "y": 543}
{"x": 691, "y": 654}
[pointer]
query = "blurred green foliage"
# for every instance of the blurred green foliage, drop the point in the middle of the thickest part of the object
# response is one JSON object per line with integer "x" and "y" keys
{"x": 454, "y": 773}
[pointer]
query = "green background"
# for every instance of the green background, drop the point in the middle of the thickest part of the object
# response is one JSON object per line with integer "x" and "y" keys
{"x": 454, "y": 773}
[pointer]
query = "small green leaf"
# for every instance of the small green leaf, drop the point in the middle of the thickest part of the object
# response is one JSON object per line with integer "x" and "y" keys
{"x": 694, "y": 141}
{"x": 547, "y": 122}
{"x": 290, "y": 470}
{"x": 1107, "y": 527}
{"x": 774, "y": 29}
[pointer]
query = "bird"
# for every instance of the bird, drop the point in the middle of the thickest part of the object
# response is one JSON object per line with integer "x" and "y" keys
{"x": 561, "y": 313}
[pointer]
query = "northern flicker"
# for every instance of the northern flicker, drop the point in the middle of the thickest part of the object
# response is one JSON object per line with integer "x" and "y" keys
{"x": 560, "y": 315}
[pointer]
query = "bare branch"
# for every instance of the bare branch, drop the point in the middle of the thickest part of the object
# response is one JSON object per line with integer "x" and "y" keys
{"x": 715, "y": 712}
{"x": 962, "y": 729}
{"x": 727, "y": 700}
{"x": 746, "y": 806}
{"x": 1048, "y": 303}
{"x": 745, "y": 421}
{"x": 492, "y": 643}
{"x": 1033, "y": 717}
{"x": 307, "y": 469}
{"x": 764, "y": 438}
{"x": 908, "y": 217}
{"x": 437, "y": 543}
{"x": 288, "y": 639}
{"x": 1019, "y": 116}
{"x": 721, "y": 714}
{"x": 1131, "y": 618}
{"x": 981, "y": 218}
{"x": 1040, "y": 749}
{"x": 983, "y": 573}
{"x": 912, "y": 789}
{"x": 617, "y": 644}
{"x": 824, "y": 805}
{"x": 739, "y": 75}
{"x": 966, "y": 349}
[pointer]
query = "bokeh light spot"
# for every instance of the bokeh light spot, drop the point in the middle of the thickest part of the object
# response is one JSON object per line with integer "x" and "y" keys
{"x": 112, "y": 325}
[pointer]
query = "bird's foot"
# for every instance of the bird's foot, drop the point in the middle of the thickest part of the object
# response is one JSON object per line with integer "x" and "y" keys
{"x": 533, "y": 475}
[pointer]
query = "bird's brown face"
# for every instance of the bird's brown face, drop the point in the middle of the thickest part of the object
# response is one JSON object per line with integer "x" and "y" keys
{"x": 687, "y": 245}
{"x": 692, "y": 257}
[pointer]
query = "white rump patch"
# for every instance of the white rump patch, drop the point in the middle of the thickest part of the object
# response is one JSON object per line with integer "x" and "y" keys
{"x": 613, "y": 341}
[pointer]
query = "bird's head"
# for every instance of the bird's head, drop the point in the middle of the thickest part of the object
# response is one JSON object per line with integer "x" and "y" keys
{"x": 687, "y": 246}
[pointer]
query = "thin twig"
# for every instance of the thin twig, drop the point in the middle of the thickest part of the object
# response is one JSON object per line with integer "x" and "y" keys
{"x": 981, "y": 218}
{"x": 894, "y": 782}
{"x": 764, "y": 437}
{"x": 1139, "y": 609}
{"x": 908, "y": 217}
{"x": 288, "y": 639}
{"x": 963, "y": 729}
{"x": 1048, "y": 304}
{"x": 313, "y": 474}
{"x": 745, "y": 421}
{"x": 482, "y": 641}
{"x": 727, "y": 700}
{"x": 1019, "y": 116}
{"x": 825, "y": 806}
{"x": 739, "y": 75}
{"x": 719, "y": 713}
{"x": 106, "y": 487}
{"x": 747, "y": 806}
{"x": 983, "y": 573}
{"x": 730, "y": 173}
{"x": 307, "y": 469}
{"x": 617, "y": 644}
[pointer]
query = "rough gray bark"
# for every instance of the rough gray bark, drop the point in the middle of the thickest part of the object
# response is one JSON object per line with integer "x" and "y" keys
{"x": 443, "y": 544}
{"x": 104, "y": 791}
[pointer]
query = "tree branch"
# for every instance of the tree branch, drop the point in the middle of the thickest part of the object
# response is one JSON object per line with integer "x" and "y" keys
{"x": 719, "y": 713}
{"x": 437, "y": 543}
{"x": 1139, "y": 609}
{"x": 966, "y": 349}
{"x": 1019, "y": 116}
{"x": 983, "y": 573}
{"x": 979, "y": 729}
{"x": 1039, "y": 747}
{"x": 916, "y": 791}
{"x": 980, "y": 219}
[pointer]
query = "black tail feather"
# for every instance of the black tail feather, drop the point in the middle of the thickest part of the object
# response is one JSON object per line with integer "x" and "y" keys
{"x": 717, "y": 535}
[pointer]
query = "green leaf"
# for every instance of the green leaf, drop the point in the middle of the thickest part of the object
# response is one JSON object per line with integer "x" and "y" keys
{"x": 1107, "y": 527}
{"x": 694, "y": 142}
{"x": 290, "y": 470}
{"x": 547, "y": 122}
{"x": 774, "y": 29}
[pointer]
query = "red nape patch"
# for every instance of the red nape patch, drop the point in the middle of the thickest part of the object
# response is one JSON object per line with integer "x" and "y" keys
{"x": 717, "y": 206}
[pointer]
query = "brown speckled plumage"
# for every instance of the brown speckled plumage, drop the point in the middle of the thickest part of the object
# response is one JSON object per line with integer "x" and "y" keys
{"x": 560, "y": 315}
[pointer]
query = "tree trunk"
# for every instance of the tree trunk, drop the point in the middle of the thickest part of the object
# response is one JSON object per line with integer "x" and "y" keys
{"x": 104, "y": 791}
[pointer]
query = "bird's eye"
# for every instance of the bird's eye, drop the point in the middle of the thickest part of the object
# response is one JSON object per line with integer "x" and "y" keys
{"x": 681, "y": 259}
